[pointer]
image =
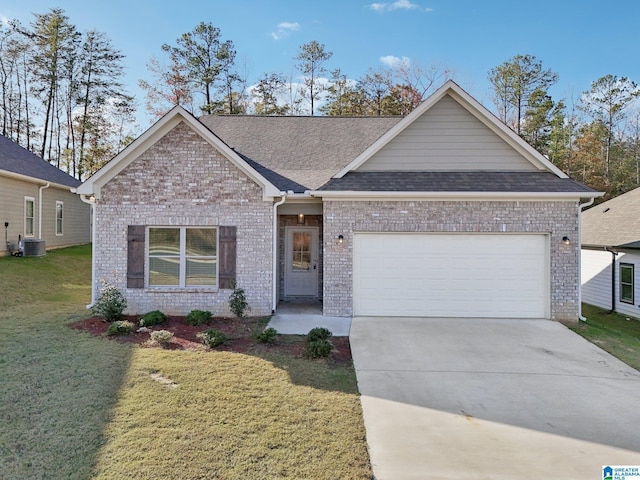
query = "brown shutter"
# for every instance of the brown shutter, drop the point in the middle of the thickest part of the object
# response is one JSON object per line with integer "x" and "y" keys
{"x": 135, "y": 256}
{"x": 227, "y": 257}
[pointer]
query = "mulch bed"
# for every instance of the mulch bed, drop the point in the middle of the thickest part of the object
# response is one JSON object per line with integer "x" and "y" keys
{"x": 239, "y": 331}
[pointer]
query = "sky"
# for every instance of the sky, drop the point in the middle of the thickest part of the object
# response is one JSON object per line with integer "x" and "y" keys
{"x": 581, "y": 40}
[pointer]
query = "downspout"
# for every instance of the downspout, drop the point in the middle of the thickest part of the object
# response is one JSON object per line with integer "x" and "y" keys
{"x": 84, "y": 198}
{"x": 275, "y": 252}
{"x": 40, "y": 209}
{"x": 614, "y": 254}
{"x": 582, "y": 207}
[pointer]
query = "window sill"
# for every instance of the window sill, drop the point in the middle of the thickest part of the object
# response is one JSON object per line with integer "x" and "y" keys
{"x": 181, "y": 289}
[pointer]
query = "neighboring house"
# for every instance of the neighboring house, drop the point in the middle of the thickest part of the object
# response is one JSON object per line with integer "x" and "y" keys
{"x": 611, "y": 254}
{"x": 445, "y": 212}
{"x": 36, "y": 200}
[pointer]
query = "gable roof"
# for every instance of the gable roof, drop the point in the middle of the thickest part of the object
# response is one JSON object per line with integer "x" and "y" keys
{"x": 467, "y": 102}
{"x": 19, "y": 161}
{"x": 614, "y": 223}
{"x": 298, "y": 153}
{"x": 163, "y": 126}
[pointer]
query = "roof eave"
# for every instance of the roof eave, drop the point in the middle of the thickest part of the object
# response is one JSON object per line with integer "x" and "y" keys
{"x": 388, "y": 195}
{"x": 27, "y": 178}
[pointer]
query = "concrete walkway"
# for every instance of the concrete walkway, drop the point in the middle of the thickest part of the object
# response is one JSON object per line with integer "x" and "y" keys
{"x": 492, "y": 399}
{"x": 298, "y": 318}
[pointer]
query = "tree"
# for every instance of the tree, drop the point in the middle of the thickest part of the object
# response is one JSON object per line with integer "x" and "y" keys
{"x": 376, "y": 86}
{"x": 514, "y": 82}
{"x": 271, "y": 87}
{"x": 170, "y": 87}
{"x": 201, "y": 57}
{"x": 311, "y": 58}
{"x": 607, "y": 103}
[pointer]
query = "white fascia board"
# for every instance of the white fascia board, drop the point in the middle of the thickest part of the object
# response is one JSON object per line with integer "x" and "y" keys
{"x": 479, "y": 196}
{"x": 37, "y": 181}
{"x": 477, "y": 110}
{"x": 152, "y": 135}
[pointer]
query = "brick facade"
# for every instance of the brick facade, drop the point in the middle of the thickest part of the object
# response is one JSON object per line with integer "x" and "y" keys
{"x": 183, "y": 181}
{"x": 554, "y": 218}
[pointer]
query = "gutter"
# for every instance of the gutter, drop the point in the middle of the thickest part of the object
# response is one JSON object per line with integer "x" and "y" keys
{"x": 40, "y": 209}
{"x": 84, "y": 198}
{"x": 614, "y": 254}
{"x": 582, "y": 207}
{"x": 274, "y": 299}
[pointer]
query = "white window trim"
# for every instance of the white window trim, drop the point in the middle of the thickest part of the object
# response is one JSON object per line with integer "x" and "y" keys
{"x": 33, "y": 219}
{"x": 182, "y": 282}
{"x": 632, "y": 284}
{"x": 61, "y": 232}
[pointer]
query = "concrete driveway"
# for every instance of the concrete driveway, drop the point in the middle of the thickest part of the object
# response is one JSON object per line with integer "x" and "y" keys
{"x": 492, "y": 399}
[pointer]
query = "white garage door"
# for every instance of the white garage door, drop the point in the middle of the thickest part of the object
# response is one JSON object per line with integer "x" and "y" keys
{"x": 450, "y": 275}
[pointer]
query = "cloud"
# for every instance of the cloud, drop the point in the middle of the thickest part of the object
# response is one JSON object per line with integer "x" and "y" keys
{"x": 285, "y": 29}
{"x": 397, "y": 5}
{"x": 394, "y": 62}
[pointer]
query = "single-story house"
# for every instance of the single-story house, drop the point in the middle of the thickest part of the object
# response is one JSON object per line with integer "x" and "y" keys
{"x": 37, "y": 203}
{"x": 445, "y": 212}
{"x": 610, "y": 260}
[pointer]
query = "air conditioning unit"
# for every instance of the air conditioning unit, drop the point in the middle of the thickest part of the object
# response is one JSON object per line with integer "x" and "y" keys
{"x": 34, "y": 247}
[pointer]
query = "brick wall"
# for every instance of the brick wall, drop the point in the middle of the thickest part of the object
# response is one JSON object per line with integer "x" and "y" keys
{"x": 183, "y": 181}
{"x": 554, "y": 218}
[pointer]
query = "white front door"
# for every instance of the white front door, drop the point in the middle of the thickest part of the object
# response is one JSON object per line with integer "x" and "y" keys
{"x": 301, "y": 261}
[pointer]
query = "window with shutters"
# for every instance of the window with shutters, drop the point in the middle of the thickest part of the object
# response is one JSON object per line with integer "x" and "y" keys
{"x": 182, "y": 257}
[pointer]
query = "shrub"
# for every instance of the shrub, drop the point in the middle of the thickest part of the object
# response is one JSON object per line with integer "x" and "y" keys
{"x": 110, "y": 304}
{"x": 319, "y": 348}
{"x": 162, "y": 337}
{"x": 198, "y": 317}
{"x": 318, "y": 344}
{"x": 120, "y": 327}
{"x": 212, "y": 337}
{"x": 318, "y": 333}
{"x": 268, "y": 335}
{"x": 156, "y": 317}
{"x": 238, "y": 302}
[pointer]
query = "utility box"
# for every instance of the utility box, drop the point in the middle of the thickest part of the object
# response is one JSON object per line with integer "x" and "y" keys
{"x": 34, "y": 247}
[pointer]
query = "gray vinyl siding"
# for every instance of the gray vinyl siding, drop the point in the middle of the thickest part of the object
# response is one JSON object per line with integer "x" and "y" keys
{"x": 447, "y": 138}
{"x": 77, "y": 225}
{"x": 596, "y": 280}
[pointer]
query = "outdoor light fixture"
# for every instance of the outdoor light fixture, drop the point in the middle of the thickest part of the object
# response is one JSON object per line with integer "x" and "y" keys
{"x": 340, "y": 238}
{"x": 301, "y": 219}
{"x": 566, "y": 240}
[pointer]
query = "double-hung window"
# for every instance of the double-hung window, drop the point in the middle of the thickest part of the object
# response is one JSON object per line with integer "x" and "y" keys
{"x": 182, "y": 257}
{"x": 59, "y": 211}
{"x": 626, "y": 282}
{"x": 29, "y": 216}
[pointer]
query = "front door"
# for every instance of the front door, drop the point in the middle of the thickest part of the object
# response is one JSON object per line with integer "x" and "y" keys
{"x": 301, "y": 261}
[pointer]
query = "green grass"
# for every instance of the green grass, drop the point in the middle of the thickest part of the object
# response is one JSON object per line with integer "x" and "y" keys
{"x": 75, "y": 407}
{"x": 617, "y": 334}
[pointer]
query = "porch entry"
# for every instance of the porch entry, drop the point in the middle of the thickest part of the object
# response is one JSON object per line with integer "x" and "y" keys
{"x": 301, "y": 269}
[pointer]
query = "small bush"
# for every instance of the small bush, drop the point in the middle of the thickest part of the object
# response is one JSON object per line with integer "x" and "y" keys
{"x": 238, "y": 302}
{"x": 268, "y": 335}
{"x": 110, "y": 304}
{"x": 198, "y": 317}
{"x": 318, "y": 333}
{"x": 162, "y": 337}
{"x": 155, "y": 317}
{"x": 120, "y": 327}
{"x": 212, "y": 337}
{"x": 319, "y": 348}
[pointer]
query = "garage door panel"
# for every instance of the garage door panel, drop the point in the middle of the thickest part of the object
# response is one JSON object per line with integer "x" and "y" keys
{"x": 452, "y": 275}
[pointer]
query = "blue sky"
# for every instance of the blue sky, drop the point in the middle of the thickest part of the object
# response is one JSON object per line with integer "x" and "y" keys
{"x": 580, "y": 40}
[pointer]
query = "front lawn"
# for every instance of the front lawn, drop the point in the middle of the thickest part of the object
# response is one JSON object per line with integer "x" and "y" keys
{"x": 617, "y": 334}
{"x": 78, "y": 406}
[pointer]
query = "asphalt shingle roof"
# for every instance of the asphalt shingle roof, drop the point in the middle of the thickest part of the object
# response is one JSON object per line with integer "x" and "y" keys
{"x": 16, "y": 159}
{"x": 614, "y": 223}
{"x": 298, "y": 153}
{"x": 454, "y": 182}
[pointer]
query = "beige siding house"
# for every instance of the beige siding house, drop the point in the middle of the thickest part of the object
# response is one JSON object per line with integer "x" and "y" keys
{"x": 611, "y": 254}
{"x": 445, "y": 212}
{"x": 37, "y": 202}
